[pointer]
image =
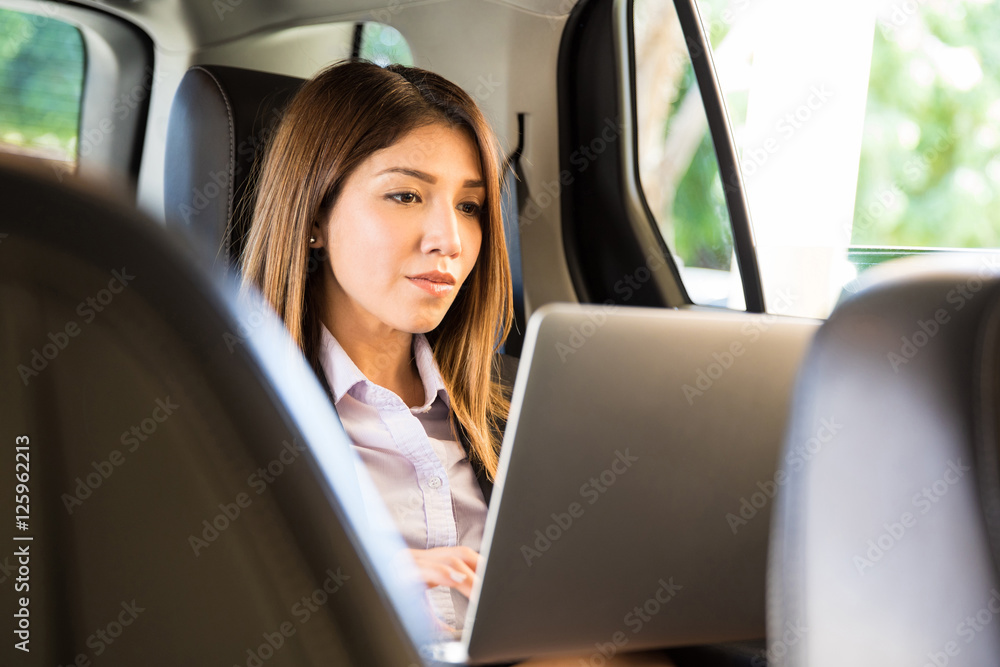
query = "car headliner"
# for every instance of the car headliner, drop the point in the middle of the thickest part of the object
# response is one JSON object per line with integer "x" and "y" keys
{"x": 186, "y": 24}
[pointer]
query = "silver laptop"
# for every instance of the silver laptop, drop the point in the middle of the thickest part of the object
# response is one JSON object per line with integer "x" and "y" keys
{"x": 633, "y": 498}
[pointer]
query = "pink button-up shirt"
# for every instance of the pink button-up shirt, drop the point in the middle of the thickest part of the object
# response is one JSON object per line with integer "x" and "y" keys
{"x": 414, "y": 459}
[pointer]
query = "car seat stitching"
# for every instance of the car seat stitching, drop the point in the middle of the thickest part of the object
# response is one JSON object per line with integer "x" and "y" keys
{"x": 232, "y": 157}
{"x": 984, "y": 426}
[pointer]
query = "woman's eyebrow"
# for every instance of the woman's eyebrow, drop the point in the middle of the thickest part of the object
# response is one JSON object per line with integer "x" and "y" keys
{"x": 427, "y": 178}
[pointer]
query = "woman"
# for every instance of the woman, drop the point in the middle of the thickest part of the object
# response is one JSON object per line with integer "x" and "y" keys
{"x": 386, "y": 180}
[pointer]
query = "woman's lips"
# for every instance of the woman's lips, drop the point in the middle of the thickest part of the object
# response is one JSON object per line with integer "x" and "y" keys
{"x": 434, "y": 283}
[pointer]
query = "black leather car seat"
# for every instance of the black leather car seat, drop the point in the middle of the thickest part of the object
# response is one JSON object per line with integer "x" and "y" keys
{"x": 220, "y": 121}
{"x": 192, "y": 495}
{"x": 885, "y": 536}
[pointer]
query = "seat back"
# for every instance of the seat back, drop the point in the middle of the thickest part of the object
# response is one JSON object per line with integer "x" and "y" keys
{"x": 220, "y": 121}
{"x": 881, "y": 543}
{"x": 193, "y": 497}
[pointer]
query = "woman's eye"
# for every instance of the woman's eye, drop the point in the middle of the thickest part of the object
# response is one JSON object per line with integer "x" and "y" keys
{"x": 404, "y": 197}
{"x": 470, "y": 208}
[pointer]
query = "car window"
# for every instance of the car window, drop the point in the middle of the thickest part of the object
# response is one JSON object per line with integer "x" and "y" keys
{"x": 929, "y": 172}
{"x": 678, "y": 169}
{"x": 852, "y": 156}
{"x": 41, "y": 84}
{"x": 382, "y": 44}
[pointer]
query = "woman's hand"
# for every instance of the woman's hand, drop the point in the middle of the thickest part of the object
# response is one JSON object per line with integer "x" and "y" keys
{"x": 454, "y": 567}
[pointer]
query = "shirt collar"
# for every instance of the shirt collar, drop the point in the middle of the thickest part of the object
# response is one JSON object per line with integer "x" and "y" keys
{"x": 429, "y": 374}
{"x": 344, "y": 375}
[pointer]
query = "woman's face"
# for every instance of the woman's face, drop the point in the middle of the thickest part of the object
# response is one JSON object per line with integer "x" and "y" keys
{"x": 404, "y": 233}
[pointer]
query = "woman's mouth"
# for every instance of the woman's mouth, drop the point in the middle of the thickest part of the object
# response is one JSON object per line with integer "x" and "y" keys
{"x": 435, "y": 283}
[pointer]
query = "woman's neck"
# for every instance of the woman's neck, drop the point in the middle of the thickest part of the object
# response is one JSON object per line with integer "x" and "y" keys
{"x": 384, "y": 356}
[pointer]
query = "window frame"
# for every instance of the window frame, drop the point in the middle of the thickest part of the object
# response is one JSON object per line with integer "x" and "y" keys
{"x": 118, "y": 69}
{"x": 607, "y": 223}
{"x": 713, "y": 102}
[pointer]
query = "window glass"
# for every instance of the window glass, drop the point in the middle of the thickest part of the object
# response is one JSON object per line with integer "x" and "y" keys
{"x": 726, "y": 25}
{"x": 384, "y": 45}
{"x": 870, "y": 140}
{"x": 41, "y": 83}
{"x": 678, "y": 169}
{"x": 929, "y": 167}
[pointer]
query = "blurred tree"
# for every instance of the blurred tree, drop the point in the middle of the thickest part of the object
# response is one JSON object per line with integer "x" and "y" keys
{"x": 929, "y": 173}
{"x": 384, "y": 45}
{"x": 41, "y": 82}
{"x": 677, "y": 162}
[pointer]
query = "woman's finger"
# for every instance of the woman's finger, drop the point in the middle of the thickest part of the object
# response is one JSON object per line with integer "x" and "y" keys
{"x": 447, "y": 566}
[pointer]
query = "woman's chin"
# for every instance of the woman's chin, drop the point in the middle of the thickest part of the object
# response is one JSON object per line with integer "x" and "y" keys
{"x": 420, "y": 325}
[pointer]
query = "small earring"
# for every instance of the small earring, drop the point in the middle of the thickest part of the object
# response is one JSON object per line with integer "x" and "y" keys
{"x": 312, "y": 239}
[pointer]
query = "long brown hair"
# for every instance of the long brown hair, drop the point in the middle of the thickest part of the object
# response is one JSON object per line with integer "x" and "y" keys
{"x": 334, "y": 123}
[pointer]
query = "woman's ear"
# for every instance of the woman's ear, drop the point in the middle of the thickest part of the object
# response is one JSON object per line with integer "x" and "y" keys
{"x": 317, "y": 235}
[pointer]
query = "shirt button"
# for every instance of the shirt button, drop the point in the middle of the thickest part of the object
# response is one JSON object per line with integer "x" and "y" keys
{"x": 434, "y": 482}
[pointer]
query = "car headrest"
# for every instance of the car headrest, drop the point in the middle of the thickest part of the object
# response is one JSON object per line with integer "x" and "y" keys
{"x": 220, "y": 121}
{"x": 190, "y": 491}
{"x": 881, "y": 540}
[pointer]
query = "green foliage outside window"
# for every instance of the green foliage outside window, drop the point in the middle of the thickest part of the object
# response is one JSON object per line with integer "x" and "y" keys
{"x": 41, "y": 83}
{"x": 930, "y": 159}
{"x": 929, "y": 172}
{"x": 703, "y": 234}
{"x": 384, "y": 45}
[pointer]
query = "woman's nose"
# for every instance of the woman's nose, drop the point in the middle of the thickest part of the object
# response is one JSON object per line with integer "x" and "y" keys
{"x": 442, "y": 232}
